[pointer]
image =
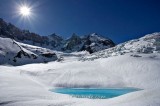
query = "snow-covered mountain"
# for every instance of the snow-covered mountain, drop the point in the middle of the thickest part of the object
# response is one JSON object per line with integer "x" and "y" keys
{"x": 15, "y": 53}
{"x": 150, "y": 43}
{"x": 95, "y": 42}
{"x": 91, "y": 43}
{"x": 55, "y": 41}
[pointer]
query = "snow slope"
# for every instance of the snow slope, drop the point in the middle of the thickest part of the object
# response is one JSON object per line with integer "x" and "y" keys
{"x": 148, "y": 44}
{"x": 30, "y": 84}
{"x": 15, "y": 53}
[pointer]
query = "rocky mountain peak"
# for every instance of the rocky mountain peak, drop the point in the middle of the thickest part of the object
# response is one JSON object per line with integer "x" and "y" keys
{"x": 95, "y": 42}
{"x": 91, "y": 43}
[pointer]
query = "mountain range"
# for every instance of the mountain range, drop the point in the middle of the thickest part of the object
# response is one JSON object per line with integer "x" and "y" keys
{"x": 91, "y": 42}
{"x": 18, "y": 47}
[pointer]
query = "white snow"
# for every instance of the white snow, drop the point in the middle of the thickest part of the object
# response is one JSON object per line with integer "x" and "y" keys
{"x": 29, "y": 85}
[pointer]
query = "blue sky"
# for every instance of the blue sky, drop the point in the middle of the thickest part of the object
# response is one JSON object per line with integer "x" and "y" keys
{"x": 120, "y": 20}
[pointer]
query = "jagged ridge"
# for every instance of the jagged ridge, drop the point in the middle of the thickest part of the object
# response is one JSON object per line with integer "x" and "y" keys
{"x": 91, "y": 43}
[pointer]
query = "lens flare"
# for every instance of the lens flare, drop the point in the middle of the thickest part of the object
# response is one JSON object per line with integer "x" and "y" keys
{"x": 25, "y": 11}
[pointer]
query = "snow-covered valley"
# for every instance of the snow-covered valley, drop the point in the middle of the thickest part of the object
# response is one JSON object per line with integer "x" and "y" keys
{"x": 30, "y": 84}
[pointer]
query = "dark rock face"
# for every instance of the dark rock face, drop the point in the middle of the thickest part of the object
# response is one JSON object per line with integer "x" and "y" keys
{"x": 55, "y": 40}
{"x": 10, "y": 31}
{"x": 48, "y": 55}
{"x": 91, "y": 43}
{"x": 95, "y": 42}
{"x": 72, "y": 42}
{"x": 22, "y": 53}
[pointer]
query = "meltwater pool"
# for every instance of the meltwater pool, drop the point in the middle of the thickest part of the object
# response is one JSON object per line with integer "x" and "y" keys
{"x": 94, "y": 93}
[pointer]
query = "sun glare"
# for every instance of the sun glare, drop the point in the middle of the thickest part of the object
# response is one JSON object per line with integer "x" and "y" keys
{"x": 25, "y": 11}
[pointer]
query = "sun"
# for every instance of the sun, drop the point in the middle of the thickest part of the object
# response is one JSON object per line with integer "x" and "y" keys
{"x": 25, "y": 11}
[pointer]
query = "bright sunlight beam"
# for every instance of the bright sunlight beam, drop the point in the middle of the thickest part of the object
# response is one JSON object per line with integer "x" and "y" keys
{"x": 25, "y": 11}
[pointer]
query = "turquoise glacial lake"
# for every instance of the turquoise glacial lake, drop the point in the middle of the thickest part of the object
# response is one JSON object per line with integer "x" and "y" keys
{"x": 94, "y": 93}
